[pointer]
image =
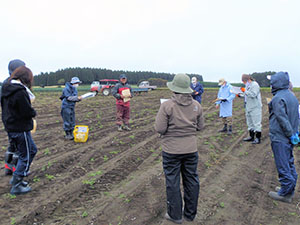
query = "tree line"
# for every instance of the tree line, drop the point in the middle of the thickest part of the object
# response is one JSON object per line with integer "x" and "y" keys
{"x": 88, "y": 75}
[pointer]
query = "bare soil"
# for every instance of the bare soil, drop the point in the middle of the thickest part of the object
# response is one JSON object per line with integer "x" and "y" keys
{"x": 117, "y": 178}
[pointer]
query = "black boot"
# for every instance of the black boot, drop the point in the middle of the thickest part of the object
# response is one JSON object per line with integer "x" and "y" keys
{"x": 257, "y": 139}
{"x": 17, "y": 187}
{"x": 251, "y": 138}
{"x": 224, "y": 128}
{"x": 68, "y": 135}
{"x": 229, "y": 130}
{"x": 23, "y": 183}
{"x": 72, "y": 134}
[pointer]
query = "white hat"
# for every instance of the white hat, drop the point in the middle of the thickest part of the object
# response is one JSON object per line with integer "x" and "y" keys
{"x": 75, "y": 80}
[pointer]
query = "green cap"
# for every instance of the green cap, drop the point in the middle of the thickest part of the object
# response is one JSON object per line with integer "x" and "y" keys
{"x": 180, "y": 84}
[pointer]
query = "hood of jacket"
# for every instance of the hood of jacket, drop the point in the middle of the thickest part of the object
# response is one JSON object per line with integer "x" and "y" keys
{"x": 279, "y": 81}
{"x": 182, "y": 99}
{"x": 69, "y": 85}
{"x": 9, "y": 89}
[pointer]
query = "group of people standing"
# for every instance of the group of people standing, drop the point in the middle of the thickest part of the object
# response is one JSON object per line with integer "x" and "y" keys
{"x": 177, "y": 122}
{"x": 179, "y": 118}
{"x": 253, "y": 107}
{"x": 18, "y": 114}
{"x": 70, "y": 96}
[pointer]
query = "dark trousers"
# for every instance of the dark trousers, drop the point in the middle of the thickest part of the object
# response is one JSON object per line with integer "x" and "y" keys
{"x": 186, "y": 165}
{"x": 68, "y": 115}
{"x": 123, "y": 114}
{"x": 284, "y": 160}
{"x": 26, "y": 150}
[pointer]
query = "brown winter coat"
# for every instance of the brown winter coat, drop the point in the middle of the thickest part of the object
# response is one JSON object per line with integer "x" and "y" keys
{"x": 177, "y": 121}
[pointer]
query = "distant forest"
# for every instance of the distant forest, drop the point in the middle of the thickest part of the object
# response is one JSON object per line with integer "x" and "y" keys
{"x": 88, "y": 75}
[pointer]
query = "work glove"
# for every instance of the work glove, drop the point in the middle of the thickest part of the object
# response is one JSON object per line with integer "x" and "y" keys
{"x": 295, "y": 138}
{"x": 224, "y": 100}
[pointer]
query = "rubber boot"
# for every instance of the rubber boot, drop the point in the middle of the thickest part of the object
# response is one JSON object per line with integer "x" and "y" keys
{"x": 229, "y": 130}
{"x": 287, "y": 198}
{"x": 72, "y": 134}
{"x": 257, "y": 139}
{"x": 224, "y": 128}
{"x": 23, "y": 183}
{"x": 251, "y": 138}
{"x": 17, "y": 187}
{"x": 119, "y": 128}
{"x": 126, "y": 128}
{"x": 68, "y": 135}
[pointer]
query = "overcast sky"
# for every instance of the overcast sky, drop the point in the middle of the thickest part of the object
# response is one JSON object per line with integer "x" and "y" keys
{"x": 214, "y": 38}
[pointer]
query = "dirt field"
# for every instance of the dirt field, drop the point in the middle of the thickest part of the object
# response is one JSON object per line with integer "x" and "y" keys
{"x": 117, "y": 178}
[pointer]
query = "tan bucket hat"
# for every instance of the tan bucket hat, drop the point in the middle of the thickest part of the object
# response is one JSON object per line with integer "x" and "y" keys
{"x": 180, "y": 84}
{"x": 222, "y": 81}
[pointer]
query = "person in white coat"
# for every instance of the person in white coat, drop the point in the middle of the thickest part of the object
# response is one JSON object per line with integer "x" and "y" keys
{"x": 225, "y": 103}
{"x": 253, "y": 107}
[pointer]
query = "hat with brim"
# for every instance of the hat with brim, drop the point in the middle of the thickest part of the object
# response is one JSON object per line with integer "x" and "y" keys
{"x": 122, "y": 76}
{"x": 222, "y": 81}
{"x": 180, "y": 84}
{"x": 75, "y": 80}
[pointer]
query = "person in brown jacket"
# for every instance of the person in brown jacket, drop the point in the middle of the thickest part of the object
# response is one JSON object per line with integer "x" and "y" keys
{"x": 177, "y": 122}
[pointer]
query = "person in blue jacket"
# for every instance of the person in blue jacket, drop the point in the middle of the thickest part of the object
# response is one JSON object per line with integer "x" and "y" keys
{"x": 283, "y": 131}
{"x": 197, "y": 88}
{"x": 225, "y": 99}
{"x": 69, "y": 98}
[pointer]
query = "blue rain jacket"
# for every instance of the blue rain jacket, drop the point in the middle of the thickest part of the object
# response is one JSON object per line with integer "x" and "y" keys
{"x": 283, "y": 109}
{"x": 225, "y": 107}
{"x": 69, "y": 96}
{"x": 197, "y": 88}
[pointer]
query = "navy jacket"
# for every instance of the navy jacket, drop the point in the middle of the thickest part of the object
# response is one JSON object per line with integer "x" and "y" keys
{"x": 198, "y": 88}
{"x": 17, "y": 112}
{"x": 283, "y": 109}
{"x": 69, "y": 96}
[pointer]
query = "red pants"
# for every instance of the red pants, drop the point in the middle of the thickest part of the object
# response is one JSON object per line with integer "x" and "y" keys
{"x": 123, "y": 114}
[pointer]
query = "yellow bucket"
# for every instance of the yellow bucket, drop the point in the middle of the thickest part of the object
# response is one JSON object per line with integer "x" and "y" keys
{"x": 81, "y": 133}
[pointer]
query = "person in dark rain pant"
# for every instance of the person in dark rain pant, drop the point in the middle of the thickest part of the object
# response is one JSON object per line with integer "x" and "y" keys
{"x": 11, "y": 158}
{"x": 69, "y": 98}
{"x": 283, "y": 125}
{"x": 177, "y": 122}
{"x": 17, "y": 114}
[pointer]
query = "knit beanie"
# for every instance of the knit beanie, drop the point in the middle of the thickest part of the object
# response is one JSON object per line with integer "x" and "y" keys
{"x": 14, "y": 64}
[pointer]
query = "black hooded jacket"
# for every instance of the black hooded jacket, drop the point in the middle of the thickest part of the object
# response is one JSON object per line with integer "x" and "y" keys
{"x": 283, "y": 109}
{"x": 17, "y": 112}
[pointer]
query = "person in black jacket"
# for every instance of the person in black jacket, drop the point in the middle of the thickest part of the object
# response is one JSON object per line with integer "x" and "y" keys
{"x": 17, "y": 114}
{"x": 11, "y": 158}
